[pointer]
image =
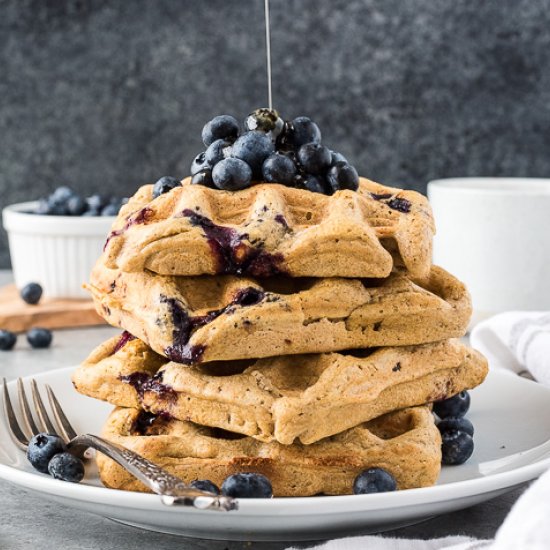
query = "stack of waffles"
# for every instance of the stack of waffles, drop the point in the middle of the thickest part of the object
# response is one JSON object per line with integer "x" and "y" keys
{"x": 278, "y": 331}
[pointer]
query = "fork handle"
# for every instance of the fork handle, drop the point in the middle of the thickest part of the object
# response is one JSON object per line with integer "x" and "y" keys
{"x": 171, "y": 489}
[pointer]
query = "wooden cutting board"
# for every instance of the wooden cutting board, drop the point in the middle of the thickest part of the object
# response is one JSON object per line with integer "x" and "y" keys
{"x": 17, "y": 316}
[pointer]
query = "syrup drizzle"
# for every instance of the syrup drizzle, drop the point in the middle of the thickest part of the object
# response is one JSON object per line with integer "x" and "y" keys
{"x": 268, "y": 53}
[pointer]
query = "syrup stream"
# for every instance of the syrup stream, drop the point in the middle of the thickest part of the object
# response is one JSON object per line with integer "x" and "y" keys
{"x": 268, "y": 53}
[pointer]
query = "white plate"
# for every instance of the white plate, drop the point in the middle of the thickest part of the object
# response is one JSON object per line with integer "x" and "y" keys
{"x": 512, "y": 438}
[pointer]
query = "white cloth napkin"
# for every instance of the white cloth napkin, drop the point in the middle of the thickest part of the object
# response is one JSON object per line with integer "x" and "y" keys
{"x": 527, "y": 527}
{"x": 517, "y": 341}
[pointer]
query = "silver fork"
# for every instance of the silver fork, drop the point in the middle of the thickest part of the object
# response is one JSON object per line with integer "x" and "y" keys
{"x": 171, "y": 489}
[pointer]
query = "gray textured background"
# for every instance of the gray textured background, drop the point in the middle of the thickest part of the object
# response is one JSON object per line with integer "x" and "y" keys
{"x": 106, "y": 95}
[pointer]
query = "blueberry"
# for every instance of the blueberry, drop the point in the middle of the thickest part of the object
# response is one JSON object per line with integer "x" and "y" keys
{"x": 337, "y": 157}
{"x": 204, "y": 177}
{"x": 205, "y": 485}
{"x": 267, "y": 121}
{"x": 92, "y": 212}
{"x": 374, "y": 480}
{"x": 199, "y": 163}
{"x": 456, "y": 406}
{"x": 61, "y": 195}
{"x": 314, "y": 158}
{"x": 97, "y": 202}
{"x": 253, "y": 147}
{"x": 456, "y": 448}
{"x": 42, "y": 447}
{"x": 31, "y": 293}
{"x": 311, "y": 183}
{"x": 110, "y": 210}
{"x": 39, "y": 337}
{"x": 220, "y": 127}
{"x": 462, "y": 424}
{"x": 57, "y": 208}
{"x": 247, "y": 485}
{"x": 76, "y": 205}
{"x": 66, "y": 467}
{"x": 278, "y": 168}
{"x": 7, "y": 340}
{"x": 232, "y": 174}
{"x": 165, "y": 184}
{"x": 343, "y": 176}
{"x": 43, "y": 208}
{"x": 219, "y": 150}
{"x": 303, "y": 130}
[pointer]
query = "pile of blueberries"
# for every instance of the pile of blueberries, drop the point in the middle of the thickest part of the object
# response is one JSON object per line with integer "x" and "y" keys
{"x": 66, "y": 202}
{"x": 270, "y": 150}
{"x": 456, "y": 431}
{"x": 36, "y": 337}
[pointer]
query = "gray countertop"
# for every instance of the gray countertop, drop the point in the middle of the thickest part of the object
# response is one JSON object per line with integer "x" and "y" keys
{"x": 29, "y": 522}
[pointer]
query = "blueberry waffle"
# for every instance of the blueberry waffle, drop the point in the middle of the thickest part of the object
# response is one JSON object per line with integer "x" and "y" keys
{"x": 271, "y": 229}
{"x": 405, "y": 443}
{"x": 281, "y": 398}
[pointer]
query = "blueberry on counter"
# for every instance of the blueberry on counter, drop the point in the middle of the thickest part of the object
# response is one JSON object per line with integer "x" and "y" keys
{"x": 314, "y": 158}
{"x": 205, "y": 485}
{"x": 247, "y": 485}
{"x": 42, "y": 448}
{"x": 39, "y": 337}
{"x": 165, "y": 184}
{"x": 374, "y": 480}
{"x": 462, "y": 424}
{"x": 343, "y": 176}
{"x": 456, "y": 406}
{"x": 303, "y": 130}
{"x": 7, "y": 340}
{"x": 253, "y": 147}
{"x": 232, "y": 174}
{"x": 456, "y": 447}
{"x": 66, "y": 467}
{"x": 31, "y": 293}
{"x": 279, "y": 168}
{"x": 220, "y": 127}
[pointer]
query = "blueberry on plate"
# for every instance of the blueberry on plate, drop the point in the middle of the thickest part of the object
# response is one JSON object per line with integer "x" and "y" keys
{"x": 205, "y": 485}
{"x": 204, "y": 177}
{"x": 76, "y": 205}
{"x": 42, "y": 447}
{"x": 66, "y": 467}
{"x": 7, "y": 340}
{"x": 110, "y": 210}
{"x": 314, "y": 158}
{"x": 232, "y": 174}
{"x": 278, "y": 168}
{"x": 31, "y": 293}
{"x": 456, "y": 447}
{"x": 303, "y": 130}
{"x": 343, "y": 176}
{"x": 39, "y": 337}
{"x": 247, "y": 485}
{"x": 199, "y": 164}
{"x": 220, "y": 127}
{"x": 374, "y": 480}
{"x": 217, "y": 151}
{"x": 165, "y": 184}
{"x": 253, "y": 147}
{"x": 456, "y": 406}
{"x": 462, "y": 424}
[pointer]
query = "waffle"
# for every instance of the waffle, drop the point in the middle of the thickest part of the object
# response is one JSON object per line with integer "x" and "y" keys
{"x": 281, "y": 398}
{"x": 272, "y": 229}
{"x": 194, "y": 319}
{"x": 405, "y": 443}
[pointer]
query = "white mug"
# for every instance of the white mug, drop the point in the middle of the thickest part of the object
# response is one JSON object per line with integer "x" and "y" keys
{"x": 494, "y": 234}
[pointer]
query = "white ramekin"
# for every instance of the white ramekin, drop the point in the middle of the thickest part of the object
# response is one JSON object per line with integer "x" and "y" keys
{"x": 56, "y": 251}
